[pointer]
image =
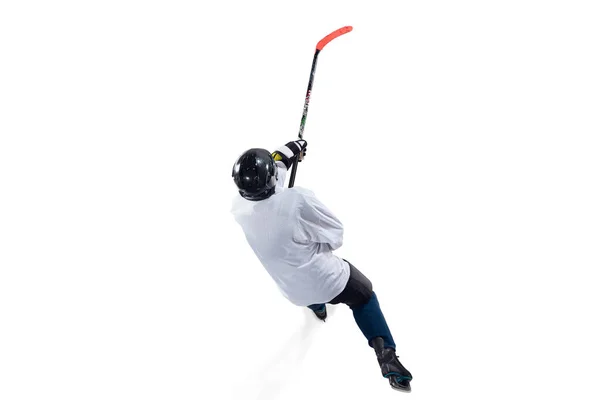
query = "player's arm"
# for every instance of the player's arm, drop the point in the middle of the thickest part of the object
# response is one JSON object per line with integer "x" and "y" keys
{"x": 288, "y": 152}
{"x": 320, "y": 225}
{"x": 284, "y": 158}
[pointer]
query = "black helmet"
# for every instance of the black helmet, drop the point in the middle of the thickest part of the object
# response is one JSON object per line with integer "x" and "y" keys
{"x": 255, "y": 174}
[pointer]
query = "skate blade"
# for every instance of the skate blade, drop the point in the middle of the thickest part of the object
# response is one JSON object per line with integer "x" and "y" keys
{"x": 396, "y": 386}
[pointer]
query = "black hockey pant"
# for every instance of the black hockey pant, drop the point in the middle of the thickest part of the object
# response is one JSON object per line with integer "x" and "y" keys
{"x": 362, "y": 300}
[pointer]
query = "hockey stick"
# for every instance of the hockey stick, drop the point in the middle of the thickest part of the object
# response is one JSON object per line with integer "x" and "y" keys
{"x": 322, "y": 43}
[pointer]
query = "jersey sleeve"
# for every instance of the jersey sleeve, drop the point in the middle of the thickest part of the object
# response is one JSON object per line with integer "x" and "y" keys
{"x": 281, "y": 174}
{"x": 318, "y": 222}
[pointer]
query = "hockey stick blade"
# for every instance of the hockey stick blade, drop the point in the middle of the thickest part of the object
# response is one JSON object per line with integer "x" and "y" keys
{"x": 323, "y": 42}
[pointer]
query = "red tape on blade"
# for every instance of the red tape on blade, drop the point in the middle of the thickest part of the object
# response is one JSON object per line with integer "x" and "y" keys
{"x": 332, "y": 36}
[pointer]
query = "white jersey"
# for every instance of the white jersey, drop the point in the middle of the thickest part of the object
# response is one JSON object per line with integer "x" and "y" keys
{"x": 293, "y": 234}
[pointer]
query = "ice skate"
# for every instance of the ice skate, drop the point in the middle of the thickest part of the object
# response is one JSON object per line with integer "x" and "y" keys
{"x": 391, "y": 368}
{"x": 321, "y": 313}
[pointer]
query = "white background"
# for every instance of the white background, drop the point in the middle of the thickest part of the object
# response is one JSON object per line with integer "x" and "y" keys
{"x": 457, "y": 141}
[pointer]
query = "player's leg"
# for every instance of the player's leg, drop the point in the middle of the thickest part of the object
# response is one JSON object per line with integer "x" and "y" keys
{"x": 362, "y": 300}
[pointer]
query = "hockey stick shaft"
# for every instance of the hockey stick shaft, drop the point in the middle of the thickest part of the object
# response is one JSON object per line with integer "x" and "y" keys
{"x": 322, "y": 43}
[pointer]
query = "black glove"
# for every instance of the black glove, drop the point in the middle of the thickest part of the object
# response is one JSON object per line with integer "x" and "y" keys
{"x": 287, "y": 153}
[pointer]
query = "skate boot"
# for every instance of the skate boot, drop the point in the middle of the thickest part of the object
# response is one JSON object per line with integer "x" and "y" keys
{"x": 391, "y": 367}
{"x": 321, "y": 313}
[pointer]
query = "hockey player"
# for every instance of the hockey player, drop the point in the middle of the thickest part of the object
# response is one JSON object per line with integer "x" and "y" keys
{"x": 293, "y": 235}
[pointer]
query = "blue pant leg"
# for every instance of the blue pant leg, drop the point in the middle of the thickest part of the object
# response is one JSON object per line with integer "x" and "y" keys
{"x": 371, "y": 321}
{"x": 317, "y": 307}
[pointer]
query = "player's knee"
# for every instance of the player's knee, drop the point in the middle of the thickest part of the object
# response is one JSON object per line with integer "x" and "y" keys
{"x": 364, "y": 297}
